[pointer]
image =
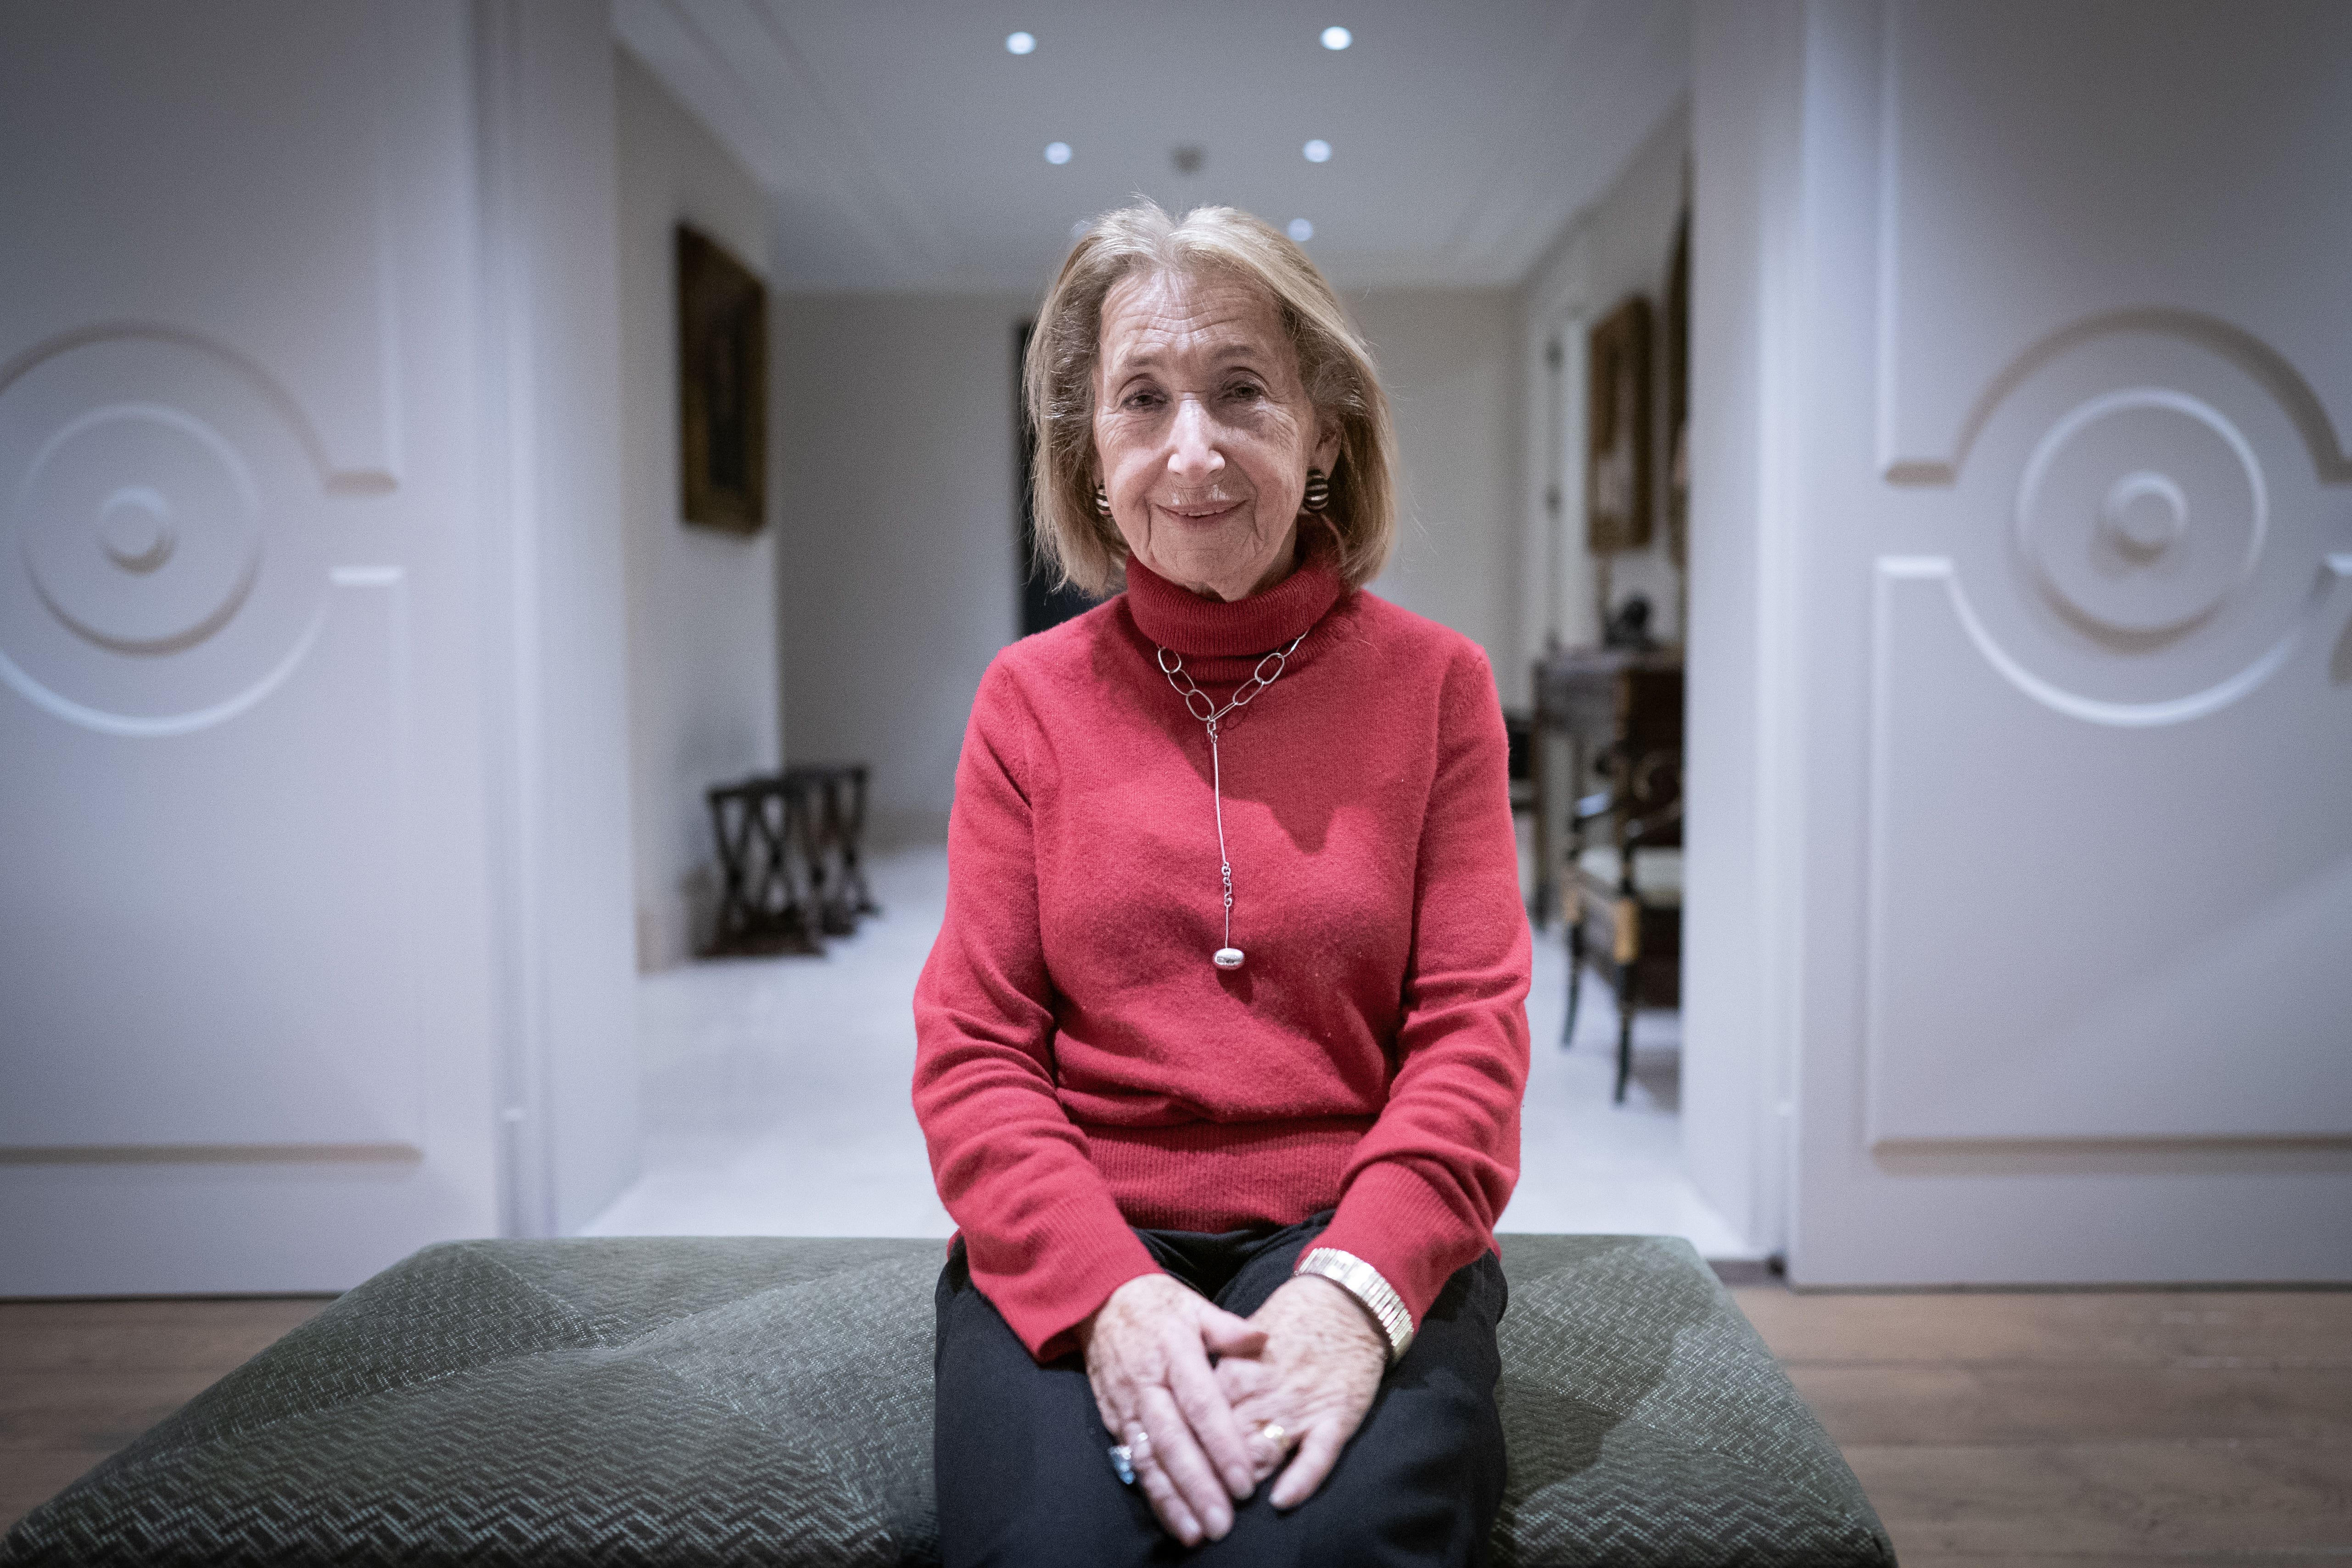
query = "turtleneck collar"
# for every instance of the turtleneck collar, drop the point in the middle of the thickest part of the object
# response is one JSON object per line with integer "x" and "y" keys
{"x": 1176, "y": 618}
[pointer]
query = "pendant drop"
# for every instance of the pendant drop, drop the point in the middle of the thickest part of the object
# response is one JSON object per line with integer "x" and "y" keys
{"x": 1229, "y": 958}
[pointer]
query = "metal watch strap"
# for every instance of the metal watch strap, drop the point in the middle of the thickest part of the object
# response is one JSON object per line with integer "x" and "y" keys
{"x": 1363, "y": 1281}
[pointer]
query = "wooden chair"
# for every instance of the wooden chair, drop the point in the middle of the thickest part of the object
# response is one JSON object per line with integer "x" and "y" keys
{"x": 1627, "y": 925}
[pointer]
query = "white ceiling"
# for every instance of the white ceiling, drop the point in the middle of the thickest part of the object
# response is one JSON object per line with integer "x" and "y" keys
{"x": 905, "y": 147}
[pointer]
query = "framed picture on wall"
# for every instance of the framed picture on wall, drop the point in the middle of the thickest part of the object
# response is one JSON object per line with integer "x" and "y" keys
{"x": 722, "y": 388}
{"x": 1617, "y": 431}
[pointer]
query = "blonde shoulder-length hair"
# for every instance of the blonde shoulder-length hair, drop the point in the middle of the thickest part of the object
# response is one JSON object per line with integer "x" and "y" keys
{"x": 1057, "y": 382}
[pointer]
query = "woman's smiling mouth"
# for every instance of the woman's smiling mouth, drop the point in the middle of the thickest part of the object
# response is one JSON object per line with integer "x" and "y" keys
{"x": 1213, "y": 510}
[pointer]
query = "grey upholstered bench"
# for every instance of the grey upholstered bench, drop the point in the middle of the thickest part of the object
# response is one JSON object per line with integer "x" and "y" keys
{"x": 754, "y": 1401}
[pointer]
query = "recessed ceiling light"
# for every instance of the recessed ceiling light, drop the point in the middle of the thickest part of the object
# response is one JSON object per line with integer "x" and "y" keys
{"x": 1022, "y": 43}
{"x": 1333, "y": 38}
{"x": 1057, "y": 151}
{"x": 1301, "y": 230}
{"x": 1318, "y": 150}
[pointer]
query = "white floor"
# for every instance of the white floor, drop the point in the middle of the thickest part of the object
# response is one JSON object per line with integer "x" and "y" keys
{"x": 776, "y": 1097}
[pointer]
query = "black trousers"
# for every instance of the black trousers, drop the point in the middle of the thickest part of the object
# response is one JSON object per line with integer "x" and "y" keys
{"x": 1024, "y": 1478}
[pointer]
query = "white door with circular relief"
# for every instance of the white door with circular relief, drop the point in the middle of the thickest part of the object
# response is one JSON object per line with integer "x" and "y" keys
{"x": 2076, "y": 661}
{"x": 243, "y": 1025}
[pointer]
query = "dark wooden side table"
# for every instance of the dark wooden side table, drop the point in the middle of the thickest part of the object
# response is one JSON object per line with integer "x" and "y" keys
{"x": 835, "y": 810}
{"x": 791, "y": 869}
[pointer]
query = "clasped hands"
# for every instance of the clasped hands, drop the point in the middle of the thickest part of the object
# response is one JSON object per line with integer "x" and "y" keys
{"x": 1301, "y": 1370}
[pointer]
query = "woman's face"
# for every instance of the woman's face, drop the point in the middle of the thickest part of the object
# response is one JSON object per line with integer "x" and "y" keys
{"x": 1203, "y": 433}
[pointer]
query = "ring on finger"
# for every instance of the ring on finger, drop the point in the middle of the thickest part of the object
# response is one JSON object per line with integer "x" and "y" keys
{"x": 1275, "y": 1433}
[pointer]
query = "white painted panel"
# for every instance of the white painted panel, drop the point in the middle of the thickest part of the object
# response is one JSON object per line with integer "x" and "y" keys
{"x": 219, "y": 955}
{"x": 2076, "y": 928}
{"x": 155, "y": 190}
{"x": 2073, "y": 932}
{"x": 2048, "y": 163}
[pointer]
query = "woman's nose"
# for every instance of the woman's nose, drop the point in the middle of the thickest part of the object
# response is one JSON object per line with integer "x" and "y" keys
{"x": 1192, "y": 454}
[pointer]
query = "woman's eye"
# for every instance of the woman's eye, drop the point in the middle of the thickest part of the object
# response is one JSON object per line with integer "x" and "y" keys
{"x": 1246, "y": 390}
{"x": 1140, "y": 400}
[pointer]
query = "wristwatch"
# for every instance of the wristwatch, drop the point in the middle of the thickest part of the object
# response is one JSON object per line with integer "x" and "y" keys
{"x": 1363, "y": 1281}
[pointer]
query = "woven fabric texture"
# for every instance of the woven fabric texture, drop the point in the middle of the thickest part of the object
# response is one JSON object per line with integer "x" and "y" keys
{"x": 754, "y": 1401}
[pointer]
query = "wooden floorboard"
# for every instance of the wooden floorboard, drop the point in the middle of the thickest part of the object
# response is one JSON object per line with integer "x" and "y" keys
{"x": 2284, "y": 1329}
{"x": 2126, "y": 1560}
{"x": 153, "y": 1334}
{"x": 2149, "y": 1499}
{"x": 91, "y": 1412}
{"x": 2091, "y": 1429}
{"x": 81, "y": 1379}
{"x": 1975, "y": 1405}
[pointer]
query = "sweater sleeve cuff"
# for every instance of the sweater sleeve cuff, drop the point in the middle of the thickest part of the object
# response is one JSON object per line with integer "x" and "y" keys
{"x": 1044, "y": 1304}
{"x": 1402, "y": 1226}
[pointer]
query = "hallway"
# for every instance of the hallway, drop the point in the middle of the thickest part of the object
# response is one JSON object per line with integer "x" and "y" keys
{"x": 776, "y": 1097}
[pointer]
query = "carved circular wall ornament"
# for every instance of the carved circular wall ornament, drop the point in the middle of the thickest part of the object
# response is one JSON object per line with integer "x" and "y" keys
{"x": 140, "y": 528}
{"x": 2138, "y": 525}
{"x": 135, "y": 529}
{"x": 2141, "y": 510}
{"x": 2145, "y": 514}
{"x": 162, "y": 565}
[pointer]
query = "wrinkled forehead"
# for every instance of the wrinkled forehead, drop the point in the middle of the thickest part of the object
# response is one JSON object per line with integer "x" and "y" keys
{"x": 1166, "y": 318}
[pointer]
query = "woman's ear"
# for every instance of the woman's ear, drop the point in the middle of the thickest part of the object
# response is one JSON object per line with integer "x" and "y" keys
{"x": 1327, "y": 446}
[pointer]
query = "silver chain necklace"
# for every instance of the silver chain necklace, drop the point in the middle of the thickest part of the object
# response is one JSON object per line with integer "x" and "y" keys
{"x": 1202, "y": 706}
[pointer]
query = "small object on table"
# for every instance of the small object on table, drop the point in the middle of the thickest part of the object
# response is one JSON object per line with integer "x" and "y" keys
{"x": 1629, "y": 624}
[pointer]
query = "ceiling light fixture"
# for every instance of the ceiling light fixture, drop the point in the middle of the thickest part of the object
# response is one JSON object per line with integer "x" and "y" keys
{"x": 1023, "y": 43}
{"x": 1333, "y": 38}
{"x": 1301, "y": 230}
{"x": 1318, "y": 150}
{"x": 1057, "y": 151}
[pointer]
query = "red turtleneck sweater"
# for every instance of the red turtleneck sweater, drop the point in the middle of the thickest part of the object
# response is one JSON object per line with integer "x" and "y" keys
{"x": 1081, "y": 1065}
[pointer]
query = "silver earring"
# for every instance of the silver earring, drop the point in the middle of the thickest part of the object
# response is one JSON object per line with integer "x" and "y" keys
{"x": 1318, "y": 490}
{"x": 1102, "y": 502}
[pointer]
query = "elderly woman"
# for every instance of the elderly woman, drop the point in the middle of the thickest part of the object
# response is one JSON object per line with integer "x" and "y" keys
{"x": 1220, "y": 1071}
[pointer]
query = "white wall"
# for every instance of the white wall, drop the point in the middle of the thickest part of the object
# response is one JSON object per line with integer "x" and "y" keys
{"x": 896, "y": 570}
{"x": 703, "y": 700}
{"x": 1739, "y": 960}
{"x": 558, "y": 718}
{"x": 1623, "y": 244}
{"x": 1449, "y": 361}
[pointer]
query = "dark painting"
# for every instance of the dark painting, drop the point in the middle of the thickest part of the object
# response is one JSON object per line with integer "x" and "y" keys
{"x": 722, "y": 384}
{"x": 1617, "y": 413}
